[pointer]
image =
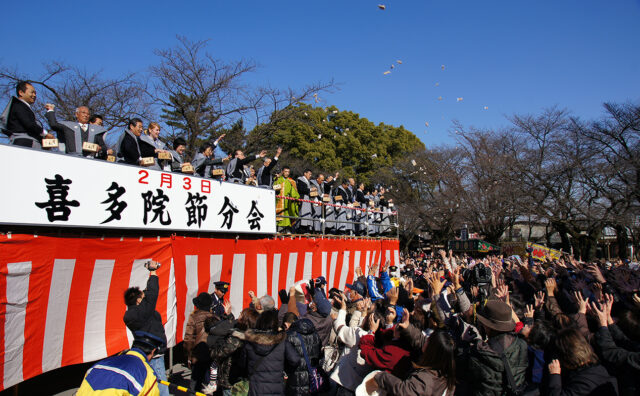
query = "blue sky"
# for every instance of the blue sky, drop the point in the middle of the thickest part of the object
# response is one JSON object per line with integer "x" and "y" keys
{"x": 512, "y": 56}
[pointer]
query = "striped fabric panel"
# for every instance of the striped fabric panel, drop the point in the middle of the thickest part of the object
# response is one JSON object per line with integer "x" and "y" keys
{"x": 68, "y": 307}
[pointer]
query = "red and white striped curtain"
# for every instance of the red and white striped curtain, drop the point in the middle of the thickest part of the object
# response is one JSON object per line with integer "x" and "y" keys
{"x": 62, "y": 299}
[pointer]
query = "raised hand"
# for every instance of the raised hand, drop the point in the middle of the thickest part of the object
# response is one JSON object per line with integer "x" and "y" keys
{"x": 554, "y": 367}
{"x": 551, "y": 286}
{"x": 390, "y": 315}
{"x": 227, "y": 307}
{"x": 538, "y": 299}
{"x": 594, "y": 271}
{"x": 342, "y": 300}
{"x": 373, "y": 324}
{"x": 582, "y": 303}
{"x": 367, "y": 304}
{"x": 385, "y": 266}
{"x": 408, "y": 286}
{"x": 528, "y": 312}
{"x": 436, "y": 283}
{"x": 456, "y": 278}
{"x": 361, "y": 305}
{"x": 405, "y": 319}
{"x": 599, "y": 314}
{"x": 393, "y": 294}
{"x": 373, "y": 269}
{"x": 607, "y": 305}
{"x": 636, "y": 299}
{"x": 502, "y": 292}
{"x": 220, "y": 138}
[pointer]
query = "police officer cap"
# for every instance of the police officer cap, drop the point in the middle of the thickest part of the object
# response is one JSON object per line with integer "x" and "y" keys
{"x": 148, "y": 338}
{"x": 222, "y": 286}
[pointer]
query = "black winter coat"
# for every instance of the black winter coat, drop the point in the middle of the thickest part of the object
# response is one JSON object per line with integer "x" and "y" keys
{"x": 144, "y": 317}
{"x": 266, "y": 353}
{"x": 624, "y": 363}
{"x": 588, "y": 381}
{"x": 486, "y": 369}
{"x": 129, "y": 150}
{"x": 298, "y": 381}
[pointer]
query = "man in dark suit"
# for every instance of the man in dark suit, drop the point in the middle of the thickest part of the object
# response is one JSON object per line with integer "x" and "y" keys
{"x": 264, "y": 173}
{"x": 74, "y": 134}
{"x": 236, "y": 165}
{"x": 129, "y": 148}
{"x": 22, "y": 127}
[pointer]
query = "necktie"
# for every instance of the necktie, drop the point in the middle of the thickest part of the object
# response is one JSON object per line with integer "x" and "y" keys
{"x": 85, "y": 134}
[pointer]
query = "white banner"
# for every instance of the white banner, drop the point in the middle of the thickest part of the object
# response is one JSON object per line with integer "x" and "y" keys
{"x": 52, "y": 189}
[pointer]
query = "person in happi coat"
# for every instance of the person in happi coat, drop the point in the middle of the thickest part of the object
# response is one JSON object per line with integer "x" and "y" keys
{"x": 151, "y": 146}
{"x": 329, "y": 210}
{"x": 340, "y": 198}
{"x": 306, "y": 210}
{"x": 204, "y": 162}
{"x": 318, "y": 184}
{"x": 360, "y": 215}
{"x": 385, "y": 215}
{"x": 177, "y": 154}
{"x": 73, "y": 134}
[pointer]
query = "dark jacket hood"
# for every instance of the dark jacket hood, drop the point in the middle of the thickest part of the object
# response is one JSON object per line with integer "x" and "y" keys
{"x": 263, "y": 342}
{"x": 303, "y": 326}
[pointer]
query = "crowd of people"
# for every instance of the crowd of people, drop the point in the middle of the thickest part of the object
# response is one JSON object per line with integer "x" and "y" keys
{"x": 306, "y": 204}
{"x": 433, "y": 325}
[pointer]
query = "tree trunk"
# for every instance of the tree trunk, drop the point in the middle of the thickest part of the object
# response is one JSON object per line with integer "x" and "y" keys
{"x": 622, "y": 240}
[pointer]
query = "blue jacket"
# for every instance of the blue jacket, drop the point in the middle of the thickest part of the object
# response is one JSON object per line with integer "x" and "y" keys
{"x": 375, "y": 294}
{"x": 121, "y": 375}
{"x": 372, "y": 285}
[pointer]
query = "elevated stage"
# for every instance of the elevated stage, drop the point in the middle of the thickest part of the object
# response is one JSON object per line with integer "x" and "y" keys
{"x": 62, "y": 282}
